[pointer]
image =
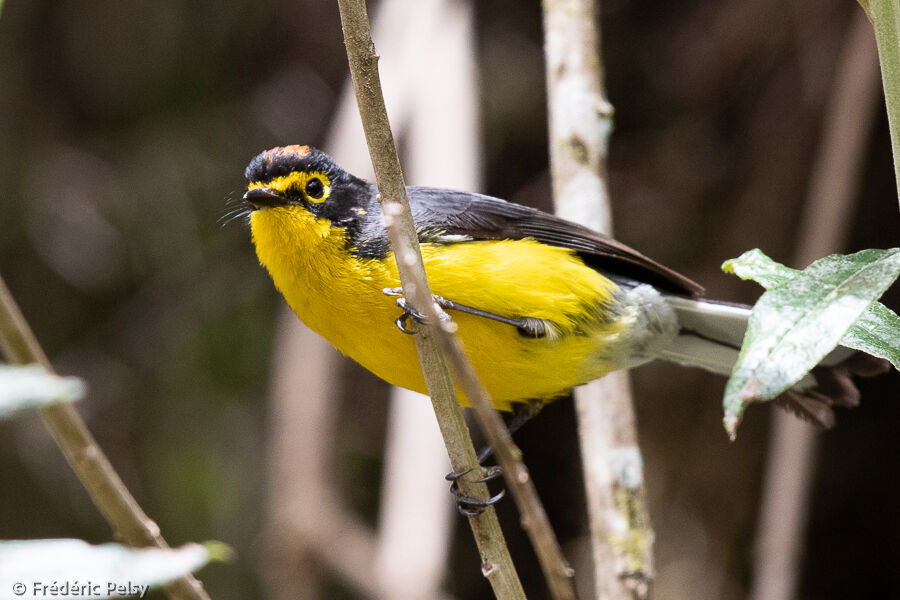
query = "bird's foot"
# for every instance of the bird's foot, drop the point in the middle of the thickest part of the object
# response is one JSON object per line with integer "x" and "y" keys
{"x": 468, "y": 506}
{"x": 522, "y": 413}
{"x": 409, "y": 312}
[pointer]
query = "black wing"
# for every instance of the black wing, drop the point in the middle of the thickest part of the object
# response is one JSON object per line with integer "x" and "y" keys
{"x": 445, "y": 212}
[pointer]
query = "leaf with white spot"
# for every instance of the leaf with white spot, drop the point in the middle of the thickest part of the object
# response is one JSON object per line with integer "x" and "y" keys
{"x": 31, "y": 386}
{"x": 802, "y": 318}
{"x": 877, "y": 332}
{"x": 40, "y": 568}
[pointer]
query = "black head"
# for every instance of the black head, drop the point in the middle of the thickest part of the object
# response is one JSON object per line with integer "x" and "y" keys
{"x": 279, "y": 162}
{"x": 303, "y": 177}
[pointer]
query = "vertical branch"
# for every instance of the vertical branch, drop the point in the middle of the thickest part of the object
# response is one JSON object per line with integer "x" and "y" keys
{"x": 834, "y": 181}
{"x": 497, "y": 565}
{"x": 299, "y": 498}
{"x": 103, "y": 484}
{"x": 580, "y": 126}
{"x": 579, "y": 114}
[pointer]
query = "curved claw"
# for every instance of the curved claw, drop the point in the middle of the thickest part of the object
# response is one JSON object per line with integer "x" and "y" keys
{"x": 492, "y": 472}
{"x": 454, "y": 476}
{"x": 471, "y": 507}
{"x": 408, "y": 311}
{"x": 466, "y": 512}
{"x": 401, "y": 322}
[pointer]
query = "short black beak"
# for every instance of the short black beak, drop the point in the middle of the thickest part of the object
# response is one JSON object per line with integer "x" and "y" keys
{"x": 265, "y": 197}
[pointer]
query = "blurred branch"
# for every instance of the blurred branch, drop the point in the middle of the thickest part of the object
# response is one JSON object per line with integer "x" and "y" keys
{"x": 885, "y": 15}
{"x": 401, "y": 229}
{"x": 416, "y": 517}
{"x": 832, "y": 190}
{"x": 301, "y": 433}
{"x": 309, "y": 526}
{"x": 103, "y": 484}
{"x": 580, "y": 126}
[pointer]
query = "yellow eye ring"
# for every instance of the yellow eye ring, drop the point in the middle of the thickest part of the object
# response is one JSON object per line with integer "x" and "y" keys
{"x": 315, "y": 190}
{"x": 314, "y": 186}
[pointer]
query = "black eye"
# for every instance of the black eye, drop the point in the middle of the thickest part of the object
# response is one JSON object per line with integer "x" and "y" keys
{"x": 315, "y": 188}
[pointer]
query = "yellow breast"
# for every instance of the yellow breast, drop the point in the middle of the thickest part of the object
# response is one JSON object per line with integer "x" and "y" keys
{"x": 338, "y": 295}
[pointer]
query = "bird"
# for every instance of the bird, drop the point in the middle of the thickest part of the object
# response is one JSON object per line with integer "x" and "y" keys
{"x": 541, "y": 304}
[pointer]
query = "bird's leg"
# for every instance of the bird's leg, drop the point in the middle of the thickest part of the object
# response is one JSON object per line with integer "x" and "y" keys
{"x": 522, "y": 413}
{"x": 526, "y": 326}
{"x": 470, "y": 507}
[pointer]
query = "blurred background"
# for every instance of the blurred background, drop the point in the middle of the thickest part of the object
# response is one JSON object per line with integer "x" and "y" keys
{"x": 125, "y": 126}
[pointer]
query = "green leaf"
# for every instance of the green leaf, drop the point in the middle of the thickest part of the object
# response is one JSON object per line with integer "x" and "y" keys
{"x": 75, "y": 569}
{"x": 756, "y": 266}
{"x": 794, "y": 325}
{"x": 218, "y": 551}
{"x": 31, "y": 386}
{"x": 877, "y": 332}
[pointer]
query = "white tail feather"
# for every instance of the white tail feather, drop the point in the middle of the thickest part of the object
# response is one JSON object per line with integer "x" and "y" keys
{"x": 692, "y": 351}
{"x": 712, "y": 334}
{"x": 717, "y": 321}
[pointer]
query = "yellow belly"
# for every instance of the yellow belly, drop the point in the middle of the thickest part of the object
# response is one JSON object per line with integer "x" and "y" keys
{"x": 339, "y": 296}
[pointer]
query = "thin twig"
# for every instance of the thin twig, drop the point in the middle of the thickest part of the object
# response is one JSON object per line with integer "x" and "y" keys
{"x": 833, "y": 188}
{"x": 580, "y": 126}
{"x": 497, "y": 565}
{"x": 103, "y": 484}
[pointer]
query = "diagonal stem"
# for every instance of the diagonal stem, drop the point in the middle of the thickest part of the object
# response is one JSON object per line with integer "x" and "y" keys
{"x": 103, "y": 484}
